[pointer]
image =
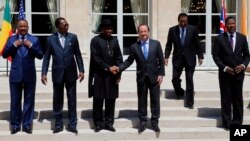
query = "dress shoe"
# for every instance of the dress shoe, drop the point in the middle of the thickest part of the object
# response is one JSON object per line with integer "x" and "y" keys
{"x": 189, "y": 106}
{"x": 98, "y": 128}
{"x": 15, "y": 130}
{"x": 226, "y": 126}
{"x": 141, "y": 128}
{"x": 180, "y": 96}
{"x": 73, "y": 130}
{"x": 57, "y": 129}
{"x": 110, "y": 128}
{"x": 27, "y": 130}
{"x": 156, "y": 128}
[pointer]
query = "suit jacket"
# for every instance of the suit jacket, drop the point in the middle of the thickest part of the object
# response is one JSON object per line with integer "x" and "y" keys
{"x": 102, "y": 83}
{"x": 190, "y": 48}
{"x": 23, "y": 66}
{"x": 224, "y": 55}
{"x": 64, "y": 59}
{"x": 153, "y": 66}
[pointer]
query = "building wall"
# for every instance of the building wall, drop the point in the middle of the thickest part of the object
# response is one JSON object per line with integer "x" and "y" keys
{"x": 78, "y": 17}
{"x": 164, "y": 15}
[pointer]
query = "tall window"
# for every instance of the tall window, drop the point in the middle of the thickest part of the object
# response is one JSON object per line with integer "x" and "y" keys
{"x": 40, "y": 14}
{"x": 126, "y": 15}
{"x": 205, "y": 15}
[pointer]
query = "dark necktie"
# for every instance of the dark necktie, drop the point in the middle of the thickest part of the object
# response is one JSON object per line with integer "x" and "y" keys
{"x": 145, "y": 51}
{"x": 182, "y": 35}
{"x": 22, "y": 48}
{"x": 232, "y": 41}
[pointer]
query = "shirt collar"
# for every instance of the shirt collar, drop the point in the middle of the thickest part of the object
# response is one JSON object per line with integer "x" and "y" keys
{"x": 20, "y": 36}
{"x": 142, "y": 42}
{"x": 228, "y": 34}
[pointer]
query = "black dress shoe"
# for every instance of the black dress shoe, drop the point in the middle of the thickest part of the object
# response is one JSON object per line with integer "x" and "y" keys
{"x": 156, "y": 128}
{"x": 98, "y": 128}
{"x": 141, "y": 128}
{"x": 73, "y": 130}
{"x": 15, "y": 130}
{"x": 57, "y": 129}
{"x": 110, "y": 128}
{"x": 178, "y": 97}
{"x": 189, "y": 106}
{"x": 226, "y": 127}
{"x": 27, "y": 130}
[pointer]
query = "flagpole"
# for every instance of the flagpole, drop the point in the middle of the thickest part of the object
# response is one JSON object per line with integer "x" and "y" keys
{"x": 7, "y": 67}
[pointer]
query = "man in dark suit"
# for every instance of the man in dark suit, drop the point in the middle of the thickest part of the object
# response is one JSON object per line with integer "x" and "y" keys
{"x": 23, "y": 48}
{"x": 103, "y": 85}
{"x": 186, "y": 44}
{"x": 231, "y": 55}
{"x": 64, "y": 49}
{"x": 150, "y": 71}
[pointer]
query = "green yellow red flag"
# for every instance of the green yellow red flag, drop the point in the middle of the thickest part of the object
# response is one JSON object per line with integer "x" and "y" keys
{"x": 6, "y": 29}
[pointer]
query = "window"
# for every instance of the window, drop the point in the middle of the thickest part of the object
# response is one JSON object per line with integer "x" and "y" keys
{"x": 40, "y": 14}
{"x": 205, "y": 15}
{"x": 126, "y": 15}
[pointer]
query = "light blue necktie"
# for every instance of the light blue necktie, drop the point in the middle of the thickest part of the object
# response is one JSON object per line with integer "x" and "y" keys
{"x": 145, "y": 50}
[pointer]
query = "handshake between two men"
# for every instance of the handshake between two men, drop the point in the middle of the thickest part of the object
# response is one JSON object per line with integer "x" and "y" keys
{"x": 114, "y": 69}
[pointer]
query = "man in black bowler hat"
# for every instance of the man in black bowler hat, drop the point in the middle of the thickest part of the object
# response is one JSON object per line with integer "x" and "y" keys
{"x": 103, "y": 84}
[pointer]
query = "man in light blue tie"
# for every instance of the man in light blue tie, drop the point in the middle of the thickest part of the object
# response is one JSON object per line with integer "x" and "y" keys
{"x": 150, "y": 71}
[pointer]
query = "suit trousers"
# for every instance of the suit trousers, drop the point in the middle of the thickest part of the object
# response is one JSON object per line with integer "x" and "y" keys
{"x": 231, "y": 100}
{"x": 98, "y": 111}
{"x": 176, "y": 81}
{"x": 154, "y": 90}
{"x": 17, "y": 115}
{"x": 58, "y": 97}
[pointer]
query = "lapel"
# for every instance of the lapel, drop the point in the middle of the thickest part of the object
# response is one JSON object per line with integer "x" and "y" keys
{"x": 57, "y": 40}
{"x": 140, "y": 50}
{"x": 67, "y": 41}
{"x": 227, "y": 43}
{"x": 187, "y": 34}
{"x": 150, "y": 47}
{"x": 26, "y": 50}
{"x": 18, "y": 50}
{"x": 236, "y": 42}
{"x": 177, "y": 35}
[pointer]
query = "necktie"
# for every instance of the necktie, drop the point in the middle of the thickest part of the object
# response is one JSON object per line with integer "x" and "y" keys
{"x": 145, "y": 50}
{"x": 232, "y": 41}
{"x": 182, "y": 35}
{"x": 62, "y": 40}
{"x": 22, "y": 48}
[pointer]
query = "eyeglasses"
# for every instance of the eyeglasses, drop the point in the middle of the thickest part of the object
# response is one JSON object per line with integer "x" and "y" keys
{"x": 64, "y": 26}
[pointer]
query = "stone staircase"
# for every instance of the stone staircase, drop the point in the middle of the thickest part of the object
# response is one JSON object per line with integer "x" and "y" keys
{"x": 203, "y": 123}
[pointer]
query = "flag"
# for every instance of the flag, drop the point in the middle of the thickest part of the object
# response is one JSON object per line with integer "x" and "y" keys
{"x": 21, "y": 14}
{"x": 6, "y": 31}
{"x": 244, "y": 17}
{"x": 222, "y": 17}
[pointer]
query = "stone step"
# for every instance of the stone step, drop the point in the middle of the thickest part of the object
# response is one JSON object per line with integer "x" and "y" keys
{"x": 132, "y": 112}
{"x": 125, "y": 102}
{"x": 177, "y": 140}
{"x": 169, "y": 94}
{"x": 164, "y": 122}
{"x": 121, "y": 133}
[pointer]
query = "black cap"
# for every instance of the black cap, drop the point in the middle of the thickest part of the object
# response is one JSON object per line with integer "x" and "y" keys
{"x": 106, "y": 23}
